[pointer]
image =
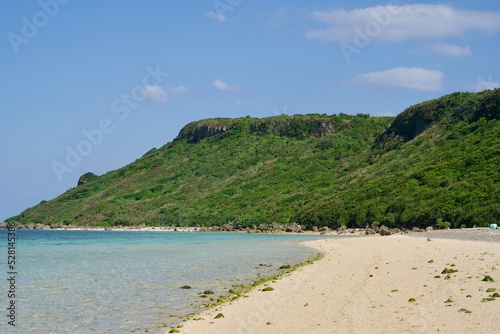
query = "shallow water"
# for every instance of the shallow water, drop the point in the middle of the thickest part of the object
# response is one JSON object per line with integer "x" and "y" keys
{"x": 121, "y": 282}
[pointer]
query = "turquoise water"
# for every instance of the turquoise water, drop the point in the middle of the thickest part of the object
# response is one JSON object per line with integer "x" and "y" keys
{"x": 123, "y": 282}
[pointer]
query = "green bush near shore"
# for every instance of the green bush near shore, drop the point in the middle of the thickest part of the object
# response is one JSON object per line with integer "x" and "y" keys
{"x": 435, "y": 164}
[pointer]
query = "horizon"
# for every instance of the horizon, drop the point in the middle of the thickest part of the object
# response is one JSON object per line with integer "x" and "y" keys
{"x": 115, "y": 81}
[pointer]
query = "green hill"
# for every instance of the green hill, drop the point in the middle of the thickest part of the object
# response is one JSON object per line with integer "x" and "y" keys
{"x": 437, "y": 161}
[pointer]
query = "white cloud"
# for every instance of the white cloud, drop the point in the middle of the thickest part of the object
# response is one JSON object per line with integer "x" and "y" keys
{"x": 156, "y": 94}
{"x": 400, "y": 23}
{"x": 410, "y": 78}
{"x": 216, "y": 16}
{"x": 221, "y": 85}
{"x": 452, "y": 50}
{"x": 179, "y": 90}
{"x": 483, "y": 85}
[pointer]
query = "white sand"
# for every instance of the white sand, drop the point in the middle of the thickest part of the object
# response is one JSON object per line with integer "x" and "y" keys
{"x": 338, "y": 294}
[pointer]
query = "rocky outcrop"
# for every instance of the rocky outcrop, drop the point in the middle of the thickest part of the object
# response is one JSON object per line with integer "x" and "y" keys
{"x": 194, "y": 132}
{"x": 206, "y": 131}
{"x": 86, "y": 178}
{"x": 297, "y": 126}
{"x": 453, "y": 108}
{"x": 293, "y": 228}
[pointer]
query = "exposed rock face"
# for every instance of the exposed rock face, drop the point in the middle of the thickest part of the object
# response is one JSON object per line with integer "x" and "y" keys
{"x": 205, "y": 131}
{"x": 194, "y": 132}
{"x": 292, "y": 127}
{"x": 298, "y": 126}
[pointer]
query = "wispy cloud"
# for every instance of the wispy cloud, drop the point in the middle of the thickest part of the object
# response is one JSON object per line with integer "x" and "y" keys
{"x": 483, "y": 85}
{"x": 160, "y": 95}
{"x": 221, "y": 85}
{"x": 403, "y": 77}
{"x": 179, "y": 90}
{"x": 216, "y": 16}
{"x": 452, "y": 50}
{"x": 400, "y": 23}
{"x": 156, "y": 94}
{"x": 280, "y": 17}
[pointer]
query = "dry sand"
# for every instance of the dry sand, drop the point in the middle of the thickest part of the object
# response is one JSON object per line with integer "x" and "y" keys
{"x": 363, "y": 285}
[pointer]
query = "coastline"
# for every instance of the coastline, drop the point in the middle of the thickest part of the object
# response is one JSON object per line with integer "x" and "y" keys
{"x": 364, "y": 285}
{"x": 263, "y": 228}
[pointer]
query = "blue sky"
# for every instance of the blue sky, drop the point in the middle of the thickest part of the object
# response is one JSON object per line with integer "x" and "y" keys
{"x": 93, "y": 85}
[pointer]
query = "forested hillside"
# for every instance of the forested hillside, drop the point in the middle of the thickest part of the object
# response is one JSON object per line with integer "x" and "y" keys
{"x": 436, "y": 162}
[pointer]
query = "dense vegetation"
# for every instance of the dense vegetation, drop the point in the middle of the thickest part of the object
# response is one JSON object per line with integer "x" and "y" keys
{"x": 436, "y": 163}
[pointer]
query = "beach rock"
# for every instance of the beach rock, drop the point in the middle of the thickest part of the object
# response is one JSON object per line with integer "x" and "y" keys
{"x": 59, "y": 225}
{"x": 228, "y": 227}
{"x": 263, "y": 227}
{"x": 276, "y": 227}
{"x": 40, "y": 227}
{"x": 293, "y": 227}
{"x": 384, "y": 231}
{"x": 429, "y": 228}
{"x": 370, "y": 231}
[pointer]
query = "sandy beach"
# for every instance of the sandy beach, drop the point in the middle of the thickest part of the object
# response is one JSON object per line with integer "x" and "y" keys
{"x": 365, "y": 284}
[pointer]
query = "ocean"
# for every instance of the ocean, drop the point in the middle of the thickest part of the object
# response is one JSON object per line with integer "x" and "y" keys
{"x": 125, "y": 282}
